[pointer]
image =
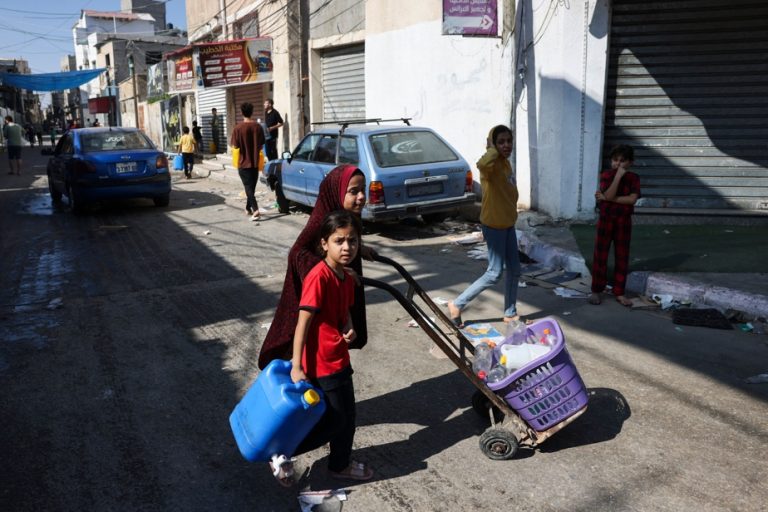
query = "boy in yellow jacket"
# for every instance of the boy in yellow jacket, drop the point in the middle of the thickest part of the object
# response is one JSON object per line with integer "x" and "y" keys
{"x": 187, "y": 146}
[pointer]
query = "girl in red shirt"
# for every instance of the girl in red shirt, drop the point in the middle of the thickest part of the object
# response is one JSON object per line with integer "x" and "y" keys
{"x": 321, "y": 346}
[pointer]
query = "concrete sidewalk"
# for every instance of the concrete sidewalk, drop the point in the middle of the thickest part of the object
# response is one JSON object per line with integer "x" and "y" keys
{"x": 552, "y": 244}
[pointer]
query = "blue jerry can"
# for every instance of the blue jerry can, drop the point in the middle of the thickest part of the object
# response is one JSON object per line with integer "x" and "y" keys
{"x": 275, "y": 414}
{"x": 178, "y": 163}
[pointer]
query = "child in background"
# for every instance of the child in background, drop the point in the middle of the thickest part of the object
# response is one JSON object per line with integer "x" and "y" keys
{"x": 498, "y": 214}
{"x": 618, "y": 193}
{"x": 187, "y": 147}
{"x": 320, "y": 348}
{"x": 197, "y": 134}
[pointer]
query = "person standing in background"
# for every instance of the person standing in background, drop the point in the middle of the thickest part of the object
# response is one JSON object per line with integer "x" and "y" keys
{"x": 13, "y": 135}
{"x": 215, "y": 130}
{"x": 274, "y": 122}
{"x": 197, "y": 134}
{"x": 248, "y": 137}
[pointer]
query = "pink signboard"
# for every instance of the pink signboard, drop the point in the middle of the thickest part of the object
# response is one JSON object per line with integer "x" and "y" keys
{"x": 470, "y": 17}
{"x": 235, "y": 62}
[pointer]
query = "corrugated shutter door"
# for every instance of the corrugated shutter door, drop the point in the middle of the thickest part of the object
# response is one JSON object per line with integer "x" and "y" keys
{"x": 206, "y": 100}
{"x": 343, "y": 75}
{"x": 688, "y": 89}
{"x": 253, "y": 94}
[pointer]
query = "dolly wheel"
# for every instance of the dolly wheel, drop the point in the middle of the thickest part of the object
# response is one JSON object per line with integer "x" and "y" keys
{"x": 481, "y": 404}
{"x": 498, "y": 444}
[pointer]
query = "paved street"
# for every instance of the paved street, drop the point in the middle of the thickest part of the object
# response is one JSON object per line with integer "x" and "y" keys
{"x": 129, "y": 334}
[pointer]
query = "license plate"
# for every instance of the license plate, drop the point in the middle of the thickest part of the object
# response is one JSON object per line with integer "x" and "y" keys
{"x": 125, "y": 167}
{"x": 425, "y": 189}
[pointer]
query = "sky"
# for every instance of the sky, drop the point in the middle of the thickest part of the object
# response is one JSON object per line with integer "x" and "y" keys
{"x": 40, "y": 31}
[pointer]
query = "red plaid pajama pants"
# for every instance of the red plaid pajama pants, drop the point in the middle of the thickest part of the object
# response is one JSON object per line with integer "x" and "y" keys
{"x": 617, "y": 229}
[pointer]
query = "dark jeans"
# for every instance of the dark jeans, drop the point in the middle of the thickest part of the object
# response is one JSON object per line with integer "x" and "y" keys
{"x": 337, "y": 426}
{"x": 271, "y": 148}
{"x": 249, "y": 177}
{"x": 189, "y": 163}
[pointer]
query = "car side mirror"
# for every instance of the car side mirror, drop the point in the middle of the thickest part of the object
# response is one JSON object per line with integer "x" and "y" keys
{"x": 287, "y": 156}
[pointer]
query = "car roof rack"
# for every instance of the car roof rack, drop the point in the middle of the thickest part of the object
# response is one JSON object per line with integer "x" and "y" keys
{"x": 344, "y": 123}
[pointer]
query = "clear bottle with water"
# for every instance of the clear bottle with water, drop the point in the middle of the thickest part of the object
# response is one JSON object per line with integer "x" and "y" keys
{"x": 483, "y": 358}
{"x": 496, "y": 374}
{"x": 516, "y": 333}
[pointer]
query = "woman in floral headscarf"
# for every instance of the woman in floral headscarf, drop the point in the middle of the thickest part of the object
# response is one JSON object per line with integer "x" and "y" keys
{"x": 342, "y": 189}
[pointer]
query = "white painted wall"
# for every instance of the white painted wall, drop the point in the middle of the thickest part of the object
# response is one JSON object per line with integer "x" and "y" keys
{"x": 459, "y": 86}
{"x": 560, "y": 102}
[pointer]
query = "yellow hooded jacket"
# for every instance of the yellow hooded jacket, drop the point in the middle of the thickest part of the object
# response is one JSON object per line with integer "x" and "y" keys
{"x": 499, "y": 204}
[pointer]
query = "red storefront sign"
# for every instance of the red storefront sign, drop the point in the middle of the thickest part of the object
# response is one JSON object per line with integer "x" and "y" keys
{"x": 181, "y": 70}
{"x": 100, "y": 105}
{"x": 235, "y": 62}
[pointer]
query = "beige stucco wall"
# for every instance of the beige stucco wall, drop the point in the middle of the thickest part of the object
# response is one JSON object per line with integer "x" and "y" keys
{"x": 386, "y": 15}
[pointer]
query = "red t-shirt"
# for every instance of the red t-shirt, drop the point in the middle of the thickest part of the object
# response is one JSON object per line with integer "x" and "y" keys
{"x": 629, "y": 184}
{"x": 325, "y": 351}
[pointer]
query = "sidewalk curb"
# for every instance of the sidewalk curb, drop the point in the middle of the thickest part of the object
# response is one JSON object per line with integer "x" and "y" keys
{"x": 647, "y": 283}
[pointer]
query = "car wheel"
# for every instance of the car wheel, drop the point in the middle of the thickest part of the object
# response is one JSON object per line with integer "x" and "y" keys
{"x": 162, "y": 200}
{"x": 282, "y": 203}
{"x": 55, "y": 193}
{"x": 434, "y": 218}
{"x": 76, "y": 203}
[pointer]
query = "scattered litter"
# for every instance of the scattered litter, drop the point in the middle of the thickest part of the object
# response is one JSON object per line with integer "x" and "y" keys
{"x": 746, "y": 327}
{"x": 729, "y": 231}
{"x": 665, "y": 300}
{"x": 570, "y": 294}
{"x": 679, "y": 329}
{"x": 666, "y": 231}
{"x": 478, "y": 253}
{"x": 328, "y": 500}
{"x": 472, "y": 238}
{"x": 522, "y": 284}
{"x": 207, "y": 232}
{"x": 445, "y": 250}
{"x": 265, "y": 325}
{"x": 566, "y": 313}
{"x": 413, "y": 323}
{"x": 55, "y": 303}
{"x": 757, "y": 379}
{"x": 440, "y": 301}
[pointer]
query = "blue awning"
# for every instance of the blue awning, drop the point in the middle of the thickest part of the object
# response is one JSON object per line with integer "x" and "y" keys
{"x": 50, "y": 81}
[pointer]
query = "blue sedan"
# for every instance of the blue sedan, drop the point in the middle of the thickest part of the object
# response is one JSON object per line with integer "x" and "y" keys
{"x": 409, "y": 171}
{"x": 97, "y": 164}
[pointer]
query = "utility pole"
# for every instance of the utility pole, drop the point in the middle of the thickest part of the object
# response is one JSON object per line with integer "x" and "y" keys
{"x": 132, "y": 69}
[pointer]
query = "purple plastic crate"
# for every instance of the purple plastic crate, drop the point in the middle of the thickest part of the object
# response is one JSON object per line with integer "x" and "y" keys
{"x": 547, "y": 390}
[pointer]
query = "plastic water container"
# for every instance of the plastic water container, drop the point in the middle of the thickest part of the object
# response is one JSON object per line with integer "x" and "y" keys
{"x": 275, "y": 414}
{"x": 178, "y": 163}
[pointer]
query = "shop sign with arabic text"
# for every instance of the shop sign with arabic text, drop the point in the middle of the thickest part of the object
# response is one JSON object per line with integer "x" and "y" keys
{"x": 470, "y": 17}
{"x": 235, "y": 62}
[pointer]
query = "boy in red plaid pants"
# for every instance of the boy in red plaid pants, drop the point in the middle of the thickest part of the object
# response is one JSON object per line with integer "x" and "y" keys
{"x": 618, "y": 193}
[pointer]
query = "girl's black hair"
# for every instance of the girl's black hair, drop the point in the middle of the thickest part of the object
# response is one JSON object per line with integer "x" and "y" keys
{"x": 336, "y": 220}
{"x": 622, "y": 151}
{"x": 498, "y": 130}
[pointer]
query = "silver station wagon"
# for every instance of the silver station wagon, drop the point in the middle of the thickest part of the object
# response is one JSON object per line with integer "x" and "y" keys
{"x": 409, "y": 171}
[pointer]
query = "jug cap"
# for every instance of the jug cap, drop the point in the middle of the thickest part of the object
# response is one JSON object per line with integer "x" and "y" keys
{"x": 311, "y": 397}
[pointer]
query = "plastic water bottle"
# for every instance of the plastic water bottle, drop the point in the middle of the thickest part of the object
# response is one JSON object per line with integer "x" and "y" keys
{"x": 530, "y": 337}
{"x": 483, "y": 358}
{"x": 496, "y": 374}
{"x": 516, "y": 333}
{"x": 548, "y": 339}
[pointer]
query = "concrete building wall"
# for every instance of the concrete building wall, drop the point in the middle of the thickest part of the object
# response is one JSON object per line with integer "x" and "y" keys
{"x": 560, "y": 103}
{"x": 459, "y": 86}
{"x": 330, "y": 19}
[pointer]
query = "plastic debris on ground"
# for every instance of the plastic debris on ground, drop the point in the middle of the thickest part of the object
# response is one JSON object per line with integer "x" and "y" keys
{"x": 757, "y": 379}
{"x": 570, "y": 294}
{"x": 329, "y": 500}
{"x": 522, "y": 284}
{"x": 440, "y": 301}
{"x": 413, "y": 323}
{"x": 206, "y": 232}
{"x": 478, "y": 253}
{"x": 472, "y": 238}
{"x": 266, "y": 325}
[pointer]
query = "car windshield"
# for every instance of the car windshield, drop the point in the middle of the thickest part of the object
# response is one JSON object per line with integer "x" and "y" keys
{"x": 394, "y": 149}
{"x": 113, "y": 140}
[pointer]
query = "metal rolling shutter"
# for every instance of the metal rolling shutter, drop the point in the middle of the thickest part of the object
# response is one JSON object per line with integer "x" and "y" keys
{"x": 343, "y": 78}
{"x": 688, "y": 89}
{"x": 253, "y": 94}
{"x": 206, "y": 100}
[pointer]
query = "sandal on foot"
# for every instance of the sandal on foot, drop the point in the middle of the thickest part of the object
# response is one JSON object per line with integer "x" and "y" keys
{"x": 256, "y": 216}
{"x": 455, "y": 320}
{"x": 623, "y": 301}
{"x": 595, "y": 299}
{"x": 282, "y": 469}
{"x": 355, "y": 471}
